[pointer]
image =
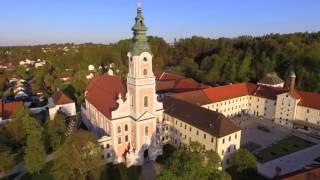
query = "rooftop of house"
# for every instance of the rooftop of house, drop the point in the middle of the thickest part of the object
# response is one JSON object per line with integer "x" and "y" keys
{"x": 307, "y": 99}
{"x": 60, "y": 98}
{"x": 103, "y": 91}
{"x": 7, "y": 110}
{"x": 169, "y": 82}
{"x": 209, "y": 121}
{"x": 271, "y": 78}
{"x": 222, "y": 93}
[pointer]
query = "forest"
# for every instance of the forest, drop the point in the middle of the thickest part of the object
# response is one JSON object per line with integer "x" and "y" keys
{"x": 210, "y": 61}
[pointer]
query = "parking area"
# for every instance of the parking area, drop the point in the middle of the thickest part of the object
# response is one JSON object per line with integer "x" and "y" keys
{"x": 258, "y": 133}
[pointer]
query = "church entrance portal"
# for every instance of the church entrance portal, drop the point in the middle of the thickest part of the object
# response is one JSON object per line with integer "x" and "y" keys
{"x": 146, "y": 154}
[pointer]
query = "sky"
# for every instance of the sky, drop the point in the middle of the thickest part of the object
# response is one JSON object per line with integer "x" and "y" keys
{"x": 29, "y": 22}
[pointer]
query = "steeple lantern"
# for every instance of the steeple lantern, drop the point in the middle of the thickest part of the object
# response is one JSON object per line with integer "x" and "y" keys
{"x": 140, "y": 40}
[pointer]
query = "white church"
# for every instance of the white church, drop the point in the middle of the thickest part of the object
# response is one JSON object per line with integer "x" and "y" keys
{"x": 124, "y": 114}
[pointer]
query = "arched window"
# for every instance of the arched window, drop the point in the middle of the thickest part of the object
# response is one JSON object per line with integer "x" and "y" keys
{"x": 126, "y": 138}
{"x": 119, "y": 129}
{"x": 145, "y": 101}
{"x": 126, "y": 127}
{"x": 146, "y": 130}
{"x": 145, "y": 72}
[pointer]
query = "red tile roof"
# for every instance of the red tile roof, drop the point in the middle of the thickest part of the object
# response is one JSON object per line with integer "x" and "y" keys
{"x": 165, "y": 85}
{"x": 103, "y": 91}
{"x": 165, "y": 76}
{"x": 209, "y": 121}
{"x": 216, "y": 94}
{"x": 295, "y": 94}
{"x": 60, "y": 98}
{"x": 308, "y": 99}
{"x": 194, "y": 97}
{"x": 187, "y": 83}
{"x": 221, "y": 93}
{"x": 303, "y": 174}
{"x": 268, "y": 92}
{"x": 168, "y": 82}
{"x": 7, "y": 110}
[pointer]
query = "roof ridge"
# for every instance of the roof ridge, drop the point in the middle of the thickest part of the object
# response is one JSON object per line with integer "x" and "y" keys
{"x": 161, "y": 75}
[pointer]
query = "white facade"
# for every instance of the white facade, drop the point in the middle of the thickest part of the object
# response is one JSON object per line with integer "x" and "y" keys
{"x": 68, "y": 109}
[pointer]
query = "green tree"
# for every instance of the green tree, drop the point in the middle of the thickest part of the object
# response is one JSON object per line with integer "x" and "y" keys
{"x": 15, "y": 130}
{"x": 192, "y": 162}
{"x": 7, "y": 161}
{"x": 55, "y": 130}
{"x": 79, "y": 157}
{"x": 34, "y": 150}
{"x": 21, "y": 71}
{"x": 243, "y": 164}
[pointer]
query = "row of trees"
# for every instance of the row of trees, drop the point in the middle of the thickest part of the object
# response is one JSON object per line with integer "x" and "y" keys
{"x": 24, "y": 139}
{"x": 212, "y": 61}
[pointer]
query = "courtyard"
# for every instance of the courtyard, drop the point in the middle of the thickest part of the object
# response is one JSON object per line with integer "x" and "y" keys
{"x": 283, "y": 147}
{"x": 277, "y": 147}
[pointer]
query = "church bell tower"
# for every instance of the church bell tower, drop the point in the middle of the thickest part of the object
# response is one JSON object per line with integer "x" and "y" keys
{"x": 140, "y": 79}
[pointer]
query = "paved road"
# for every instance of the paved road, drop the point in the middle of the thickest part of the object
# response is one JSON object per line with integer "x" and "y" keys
{"x": 150, "y": 170}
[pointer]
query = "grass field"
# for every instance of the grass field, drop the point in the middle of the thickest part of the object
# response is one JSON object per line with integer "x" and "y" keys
{"x": 283, "y": 147}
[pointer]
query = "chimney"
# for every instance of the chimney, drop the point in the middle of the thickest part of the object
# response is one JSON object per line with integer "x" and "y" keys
{"x": 291, "y": 81}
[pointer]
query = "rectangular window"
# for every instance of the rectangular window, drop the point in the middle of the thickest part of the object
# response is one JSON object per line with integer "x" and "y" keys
{"x": 229, "y": 138}
{"x": 204, "y": 136}
{"x": 223, "y": 141}
{"x": 119, "y": 140}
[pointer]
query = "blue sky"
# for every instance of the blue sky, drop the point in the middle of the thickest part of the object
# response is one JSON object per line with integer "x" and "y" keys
{"x": 103, "y": 21}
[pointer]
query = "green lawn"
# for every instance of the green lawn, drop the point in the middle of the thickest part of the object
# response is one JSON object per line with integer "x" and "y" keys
{"x": 283, "y": 147}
